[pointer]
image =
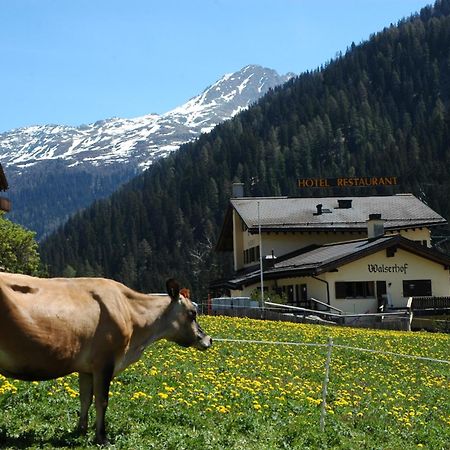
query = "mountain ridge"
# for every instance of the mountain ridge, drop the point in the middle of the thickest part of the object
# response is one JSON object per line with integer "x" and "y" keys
{"x": 144, "y": 138}
{"x": 93, "y": 160}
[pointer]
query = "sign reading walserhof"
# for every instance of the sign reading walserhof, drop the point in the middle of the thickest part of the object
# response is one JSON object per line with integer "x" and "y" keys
{"x": 346, "y": 182}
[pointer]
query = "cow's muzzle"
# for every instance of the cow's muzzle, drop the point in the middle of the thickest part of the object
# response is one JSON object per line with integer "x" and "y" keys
{"x": 204, "y": 342}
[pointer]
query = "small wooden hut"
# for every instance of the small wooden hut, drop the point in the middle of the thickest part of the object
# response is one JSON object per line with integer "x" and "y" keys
{"x": 5, "y": 203}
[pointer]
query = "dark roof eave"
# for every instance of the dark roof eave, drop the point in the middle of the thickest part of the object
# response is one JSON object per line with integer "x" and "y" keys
{"x": 273, "y": 274}
{"x": 343, "y": 228}
{"x": 225, "y": 284}
{"x": 294, "y": 271}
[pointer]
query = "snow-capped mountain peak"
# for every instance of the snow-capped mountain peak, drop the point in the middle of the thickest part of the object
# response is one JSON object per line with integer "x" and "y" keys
{"x": 70, "y": 167}
{"x": 142, "y": 139}
{"x": 227, "y": 96}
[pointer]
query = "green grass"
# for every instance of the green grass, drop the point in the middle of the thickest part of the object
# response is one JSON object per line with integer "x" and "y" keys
{"x": 253, "y": 396}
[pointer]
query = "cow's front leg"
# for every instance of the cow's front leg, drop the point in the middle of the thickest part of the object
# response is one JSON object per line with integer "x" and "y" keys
{"x": 102, "y": 380}
{"x": 86, "y": 393}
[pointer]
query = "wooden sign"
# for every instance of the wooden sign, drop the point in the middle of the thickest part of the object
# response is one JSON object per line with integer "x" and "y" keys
{"x": 347, "y": 182}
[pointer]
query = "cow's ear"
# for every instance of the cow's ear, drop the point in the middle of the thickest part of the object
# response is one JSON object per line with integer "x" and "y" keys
{"x": 173, "y": 289}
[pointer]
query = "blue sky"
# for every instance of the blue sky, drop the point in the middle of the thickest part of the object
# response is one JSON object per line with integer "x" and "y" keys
{"x": 77, "y": 61}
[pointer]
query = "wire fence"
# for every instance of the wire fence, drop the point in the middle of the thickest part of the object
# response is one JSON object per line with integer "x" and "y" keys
{"x": 347, "y": 347}
{"x": 330, "y": 345}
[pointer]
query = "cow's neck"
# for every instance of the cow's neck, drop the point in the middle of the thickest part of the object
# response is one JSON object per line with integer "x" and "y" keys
{"x": 150, "y": 320}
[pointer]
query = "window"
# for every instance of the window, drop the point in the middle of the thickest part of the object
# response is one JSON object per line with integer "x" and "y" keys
{"x": 355, "y": 289}
{"x": 417, "y": 288}
{"x": 251, "y": 255}
{"x": 288, "y": 293}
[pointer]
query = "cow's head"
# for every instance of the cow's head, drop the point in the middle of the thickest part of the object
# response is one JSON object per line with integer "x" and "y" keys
{"x": 184, "y": 328}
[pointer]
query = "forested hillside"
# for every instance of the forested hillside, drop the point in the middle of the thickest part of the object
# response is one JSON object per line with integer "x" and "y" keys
{"x": 380, "y": 109}
{"x": 54, "y": 192}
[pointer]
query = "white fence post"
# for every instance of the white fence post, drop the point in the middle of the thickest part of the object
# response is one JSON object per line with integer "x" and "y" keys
{"x": 325, "y": 385}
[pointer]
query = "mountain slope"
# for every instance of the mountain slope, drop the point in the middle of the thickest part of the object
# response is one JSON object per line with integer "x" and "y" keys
{"x": 96, "y": 158}
{"x": 381, "y": 109}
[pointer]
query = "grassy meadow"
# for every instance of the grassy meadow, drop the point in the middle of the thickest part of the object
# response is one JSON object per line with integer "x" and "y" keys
{"x": 254, "y": 396}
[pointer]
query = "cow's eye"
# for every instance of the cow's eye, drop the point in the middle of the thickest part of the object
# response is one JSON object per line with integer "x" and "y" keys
{"x": 192, "y": 314}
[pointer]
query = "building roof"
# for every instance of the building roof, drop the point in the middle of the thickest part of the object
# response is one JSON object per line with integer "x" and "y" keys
{"x": 400, "y": 211}
{"x": 314, "y": 260}
{"x": 3, "y": 181}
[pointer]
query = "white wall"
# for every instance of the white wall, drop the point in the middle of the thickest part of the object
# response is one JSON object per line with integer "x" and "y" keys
{"x": 369, "y": 269}
{"x": 403, "y": 266}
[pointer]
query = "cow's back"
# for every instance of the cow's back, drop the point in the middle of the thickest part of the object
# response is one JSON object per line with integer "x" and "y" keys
{"x": 59, "y": 325}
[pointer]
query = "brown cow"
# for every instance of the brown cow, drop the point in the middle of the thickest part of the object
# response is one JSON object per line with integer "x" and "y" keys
{"x": 96, "y": 327}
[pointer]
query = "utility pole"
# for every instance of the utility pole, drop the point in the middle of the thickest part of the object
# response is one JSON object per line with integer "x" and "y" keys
{"x": 261, "y": 261}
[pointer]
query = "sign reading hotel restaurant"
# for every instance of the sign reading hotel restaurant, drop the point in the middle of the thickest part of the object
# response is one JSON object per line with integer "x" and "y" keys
{"x": 346, "y": 182}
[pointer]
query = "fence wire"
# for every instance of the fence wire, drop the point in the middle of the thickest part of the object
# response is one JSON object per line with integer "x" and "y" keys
{"x": 330, "y": 346}
{"x": 345, "y": 347}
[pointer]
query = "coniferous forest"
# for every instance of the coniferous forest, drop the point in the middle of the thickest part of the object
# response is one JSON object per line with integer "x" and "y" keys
{"x": 380, "y": 109}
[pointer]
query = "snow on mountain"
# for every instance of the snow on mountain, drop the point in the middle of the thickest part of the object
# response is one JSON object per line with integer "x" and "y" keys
{"x": 54, "y": 171}
{"x": 141, "y": 140}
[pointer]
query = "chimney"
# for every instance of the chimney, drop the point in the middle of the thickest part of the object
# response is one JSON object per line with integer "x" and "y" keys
{"x": 237, "y": 190}
{"x": 375, "y": 226}
{"x": 270, "y": 260}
